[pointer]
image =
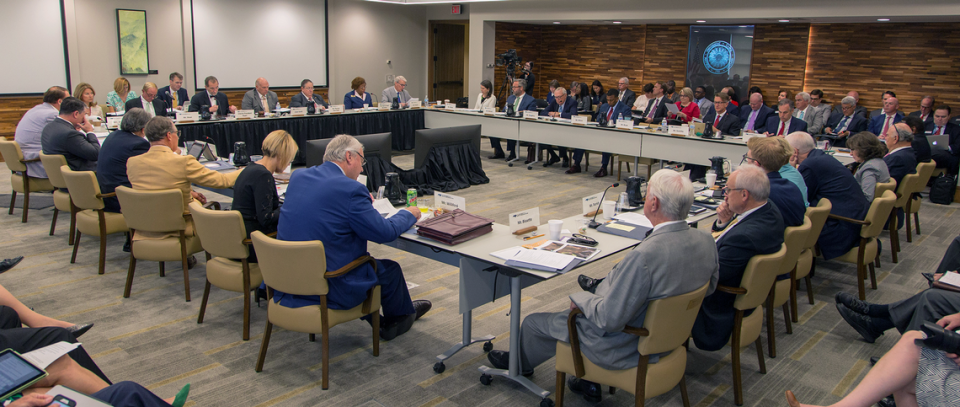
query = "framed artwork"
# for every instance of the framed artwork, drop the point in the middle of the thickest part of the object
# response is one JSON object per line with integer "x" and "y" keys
{"x": 132, "y": 37}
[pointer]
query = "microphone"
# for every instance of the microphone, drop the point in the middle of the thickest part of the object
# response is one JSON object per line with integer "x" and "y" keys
{"x": 593, "y": 223}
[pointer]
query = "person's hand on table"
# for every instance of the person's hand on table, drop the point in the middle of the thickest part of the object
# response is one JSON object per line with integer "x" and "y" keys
{"x": 414, "y": 210}
{"x": 950, "y": 322}
{"x": 724, "y": 214}
{"x": 199, "y": 197}
{"x": 233, "y": 109}
{"x": 843, "y": 134}
{"x": 212, "y": 109}
{"x": 33, "y": 400}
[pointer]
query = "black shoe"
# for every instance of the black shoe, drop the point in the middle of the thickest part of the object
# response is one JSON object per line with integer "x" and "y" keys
{"x": 8, "y": 264}
{"x": 501, "y": 360}
{"x": 587, "y": 283}
{"x": 551, "y": 161}
{"x": 126, "y": 247}
{"x": 852, "y": 303}
{"x": 565, "y": 163}
{"x": 78, "y": 330}
{"x": 573, "y": 170}
{"x": 422, "y": 307}
{"x": 874, "y": 360}
{"x": 861, "y": 323}
{"x": 191, "y": 262}
{"x": 601, "y": 173}
{"x": 887, "y": 402}
{"x": 496, "y": 155}
{"x": 391, "y": 328}
{"x": 510, "y": 157}
{"x": 258, "y": 294}
{"x": 589, "y": 390}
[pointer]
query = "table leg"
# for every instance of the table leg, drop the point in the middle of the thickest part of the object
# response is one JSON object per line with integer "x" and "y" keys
{"x": 636, "y": 165}
{"x": 467, "y": 340}
{"x": 536, "y": 155}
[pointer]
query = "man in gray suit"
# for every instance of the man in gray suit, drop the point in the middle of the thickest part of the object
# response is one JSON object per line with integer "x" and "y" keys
{"x": 260, "y": 99}
{"x": 808, "y": 113}
{"x": 398, "y": 90}
{"x": 823, "y": 109}
{"x": 674, "y": 259}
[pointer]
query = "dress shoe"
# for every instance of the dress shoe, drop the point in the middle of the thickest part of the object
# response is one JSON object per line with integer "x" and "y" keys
{"x": 510, "y": 157}
{"x": 575, "y": 169}
{"x": 422, "y": 307}
{"x": 551, "y": 161}
{"x": 258, "y": 294}
{"x": 887, "y": 402}
{"x": 587, "y": 283}
{"x": 791, "y": 399}
{"x": 498, "y": 154}
{"x": 601, "y": 173}
{"x": 78, "y": 330}
{"x": 126, "y": 247}
{"x": 191, "y": 262}
{"x": 393, "y": 327}
{"x": 874, "y": 360}
{"x": 861, "y": 323}
{"x": 501, "y": 360}
{"x": 589, "y": 390}
{"x": 8, "y": 264}
{"x": 852, "y": 303}
{"x": 565, "y": 163}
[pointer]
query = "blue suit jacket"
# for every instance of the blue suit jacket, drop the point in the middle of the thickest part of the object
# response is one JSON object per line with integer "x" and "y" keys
{"x": 164, "y": 95}
{"x": 828, "y": 178}
{"x": 527, "y": 103}
{"x": 351, "y": 101}
{"x": 323, "y": 204}
{"x": 760, "y": 124}
{"x": 788, "y": 199}
{"x": 112, "y": 163}
{"x": 568, "y": 109}
{"x": 773, "y": 125}
{"x": 900, "y": 163}
{"x": 732, "y": 109}
{"x": 876, "y": 123}
{"x": 618, "y": 109}
{"x": 759, "y": 233}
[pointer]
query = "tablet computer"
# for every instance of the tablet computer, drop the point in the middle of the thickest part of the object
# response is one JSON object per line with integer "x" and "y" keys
{"x": 200, "y": 148}
{"x": 16, "y": 373}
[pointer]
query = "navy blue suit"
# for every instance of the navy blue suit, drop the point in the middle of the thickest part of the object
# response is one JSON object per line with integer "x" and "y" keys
{"x": 323, "y": 204}
{"x": 759, "y": 233}
{"x": 527, "y": 102}
{"x": 760, "y": 123}
{"x": 602, "y": 113}
{"x": 352, "y": 101}
{"x": 112, "y": 163}
{"x": 729, "y": 123}
{"x": 201, "y": 99}
{"x": 854, "y": 125}
{"x": 568, "y": 109}
{"x": 733, "y": 109}
{"x": 164, "y": 94}
{"x": 788, "y": 198}
{"x": 901, "y": 163}
{"x": 876, "y": 123}
{"x": 828, "y": 178}
{"x": 773, "y": 125}
{"x": 949, "y": 159}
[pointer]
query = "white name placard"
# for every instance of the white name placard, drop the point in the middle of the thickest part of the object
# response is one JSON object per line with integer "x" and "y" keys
{"x": 449, "y": 202}
{"x": 336, "y": 109}
{"x": 625, "y": 124}
{"x": 591, "y": 203}
{"x": 245, "y": 114}
{"x": 489, "y": 111}
{"x": 113, "y": 122}
{"x": 579, "y": 120}
{"x": 383, "y": 107}
{"x": 450, "y": 106}
{"x": 298, "y": 111}
{"x": 415, "y": 104}
{"x": 524, "y": 219}
{"x": 185, "y": 117}
{"x": 679, "y": 130}
{"x": 530, "y": 114}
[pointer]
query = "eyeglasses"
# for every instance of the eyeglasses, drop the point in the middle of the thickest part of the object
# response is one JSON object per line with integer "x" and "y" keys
{"x": 745, "y": 158}
{"x": 726, "y": 190}
{"x": 363, "y": 160}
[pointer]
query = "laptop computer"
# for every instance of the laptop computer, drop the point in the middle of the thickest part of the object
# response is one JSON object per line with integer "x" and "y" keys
{"x": 939, "y": 142}
{"x": 17, "y": 374}
{"x": 200, "y": 148}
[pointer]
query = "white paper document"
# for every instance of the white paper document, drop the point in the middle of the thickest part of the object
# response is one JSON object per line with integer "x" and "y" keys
{"x": 46, "y": 355}
{"x": 634, "y": 219}
{"x": 950, "y": 278}
{"x": 385, "y": 208}
{"x": 542, "y": 258}
{"x": 672, "y": 107}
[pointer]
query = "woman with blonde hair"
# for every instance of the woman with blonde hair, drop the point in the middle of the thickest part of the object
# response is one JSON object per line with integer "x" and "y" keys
{"x": 85, "y": 93}
{"x": 118, "y": 97}
{"x": 688, "y": 109}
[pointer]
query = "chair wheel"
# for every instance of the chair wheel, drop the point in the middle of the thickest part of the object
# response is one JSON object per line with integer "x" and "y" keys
{"x": 529, "y": 167}
{"x": 486, "y": 379}
{"x": 487, "y": 346}
{"x": 546, "y": 403}
{"x": 439, "y": 367}
{"x": 509, "y": 164}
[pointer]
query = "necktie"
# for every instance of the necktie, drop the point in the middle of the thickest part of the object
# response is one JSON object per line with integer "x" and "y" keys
{"x": 843, "y": 123}
{"x": 609, "y": 113}
{"x": 753, "y": 118}
{"x": 886, "y": 125}
{"x": 149, "y": 108}
{"x": 939, "y": 131}
{"x": 653, "y": 108}
{"x": 516, "y": 104}
{"x": 263, "y": 102}
{"x": 717, "y": 122}
{"x": 718, "y": 233}
{"x": 213, "y": 100}
{"x": 801, "y": 115}
{"x": 173, "y": 95}
{"x": 782, "y": 126}
{"x": 400, "y": 97}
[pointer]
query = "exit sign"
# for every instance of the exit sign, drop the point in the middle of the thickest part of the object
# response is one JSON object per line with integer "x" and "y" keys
{"x": 456, "y": 9}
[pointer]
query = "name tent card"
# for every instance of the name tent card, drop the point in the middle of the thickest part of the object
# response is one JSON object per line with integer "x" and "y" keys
{"x": 245, "y": 114}
{"x": 591, "y": 203}
{"x": 679, "y": 130}
{"x": 362, "y": 179}
{"x": 449, "y": 202}
{"x": 383, "y": 107}
{"x": 113, "y": 122}
{"x": 298, "y": 111}
{"x": 579, "y": 120}
{"x": 415, "y": 104}
{"x": 185, "y": 117}
{"x": 530, "y": 114}
{"x": 523, "y": 220}
{"x": 489, "y": 111}
{"x": 450, "y": 106}
{"x": 336, "y": 109}
{"x": 625, "y": 124}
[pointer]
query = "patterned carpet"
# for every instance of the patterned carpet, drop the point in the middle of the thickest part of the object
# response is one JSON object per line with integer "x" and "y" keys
{"x": 153, "y": 338}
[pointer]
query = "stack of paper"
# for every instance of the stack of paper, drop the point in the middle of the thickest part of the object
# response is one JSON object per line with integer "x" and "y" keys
{"x": 537, "y": 259}
{"x": 634, "y": 219}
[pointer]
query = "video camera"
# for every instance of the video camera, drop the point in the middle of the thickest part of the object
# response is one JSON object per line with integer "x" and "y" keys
{"x": 938, "y": 338}
{"x": 510, "y": 60}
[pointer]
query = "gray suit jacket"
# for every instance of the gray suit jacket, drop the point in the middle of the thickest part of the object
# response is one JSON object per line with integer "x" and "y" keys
{"x": 80, "y": 150}
{"x": 869, "y": 174}
{"x": 389, "y": 93}
{"x": 813, "y": 118}
{"x": 675, "y": 259}
{"x": 824, "y": 112}
{"x": 251, "y": 100}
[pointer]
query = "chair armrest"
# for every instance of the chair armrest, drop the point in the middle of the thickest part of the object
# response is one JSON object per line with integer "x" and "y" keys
{"x": 575, "y": 342}
{"x": 32, "y": 160}
{"x": 851, "y": 220}
{"x": 636, "y": 331}
{"x": 212, "y": 205}
{"x": 110, "y": 195}
{"x": 250, "y": 242}
{"x": 352, "y": 265}
{"x": 731, "y": 290}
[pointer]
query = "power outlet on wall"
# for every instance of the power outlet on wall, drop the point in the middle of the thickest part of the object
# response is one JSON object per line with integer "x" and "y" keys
{"x": 389, "y": 78}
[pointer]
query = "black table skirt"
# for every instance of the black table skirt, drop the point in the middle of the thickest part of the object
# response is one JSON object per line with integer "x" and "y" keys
{"x": 402, "y": 124}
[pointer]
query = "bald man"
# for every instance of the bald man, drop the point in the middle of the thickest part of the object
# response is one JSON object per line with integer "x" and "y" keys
{"x": 260, "y": 99}
{"x": 148, "y": 101}
{"x": 883, "y": 124}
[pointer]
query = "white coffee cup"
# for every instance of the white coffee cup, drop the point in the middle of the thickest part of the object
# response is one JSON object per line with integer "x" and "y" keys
{"x": 366, "y": 105}
{"x": 711, "y": 179}
{"x": 556, "y": 226}
{"x": 609, "y": 209}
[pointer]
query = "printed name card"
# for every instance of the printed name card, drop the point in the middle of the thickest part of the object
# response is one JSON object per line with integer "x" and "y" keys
{"x": 530, "y": 114}
{"x": 185, "y": 117}
{"x": 414, "y": 104}
{"x": 679, "y": 130}
{"x": 336, "y": 109}
{"x": 383, "y": 107}
{"x": 449, "y": 202}
{"x": 298, "y": 111}
{"x": 490, "y": 111}
{"x": 625, "y": 124}
{"x": 591, "y": 203}
{"x": 579, "y": 120}
{"x": 450, "y": 106}
{"x": 245, "y": 114}
{"x": 113, "y": 122}
{"x": 524, "y": 219}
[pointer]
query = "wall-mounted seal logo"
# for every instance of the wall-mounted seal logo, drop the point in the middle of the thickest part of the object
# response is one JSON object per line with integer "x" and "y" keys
{"x": 718, "y": 58}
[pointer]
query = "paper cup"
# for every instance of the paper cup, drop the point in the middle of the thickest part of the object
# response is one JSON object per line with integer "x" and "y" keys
{"x": 556, "y": 226}
{"x": 711, "y": 179}
{"x": 609, "y": 209}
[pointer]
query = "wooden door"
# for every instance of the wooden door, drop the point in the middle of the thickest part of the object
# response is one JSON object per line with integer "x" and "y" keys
{"x": 447, "y": 57}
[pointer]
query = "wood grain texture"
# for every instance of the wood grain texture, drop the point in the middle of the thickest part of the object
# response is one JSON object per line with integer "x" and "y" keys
{"x": 779, "y": 59}
{"x": 12, "y": 110}
{"x": 665, "y": 54}
{"x": 526, "y": 39}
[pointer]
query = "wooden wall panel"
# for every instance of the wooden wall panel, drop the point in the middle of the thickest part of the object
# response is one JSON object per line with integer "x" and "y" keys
{"x": 12, "y": 109}
{"x": 604, "y": 53}
{"x": 525, "y": 38}
{"x": 779, "y": 59}
{"x": 665, "y": 56}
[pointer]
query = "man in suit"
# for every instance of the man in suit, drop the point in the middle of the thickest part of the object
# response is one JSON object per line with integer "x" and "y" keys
{"x": 901, "y": 159}
{"x": 754, "y": 116}
{"x": 747, "y": 224}
{"x": 626, "y": 95}
{"x": 129, "y": 141}
{"x": 886, "y": 95}
{"x": 174, "y": 95}
{"x": 722, "y": 121}
{"x": 398, "y": 90}
{"x": 648, "y": 272}
{"x": 344, "y": 223}
{"x": 607, "y": 115}
{"x": 858, "y": 110}
{"x": 214, "y": 101}
{"x": 784, "y": 123}
{"x": 769, "y": 154}
{"x": 148, "y": 101}
{"x": 562, "y": 107}
{"x": 846, "y": 122}
{"x": 520, "y": 101}
{"x": 30, "y": 128}
{"x": 826, "y": 177}
{"x": 948, "y": 157}
{"x": 705, "y": 104}
{"x": 926, "y": 110}
{"x": 732, "y": 107}
{"x": 823, "y": 109}
{"x": 656, "y": 107}
{"x": 809, "y": 114}
{"x": 881, "y": 125}
{"x": 670, "y": 91}
{"x": 71, "y": 135}
{"x": 306, "y": 98}
{"x": 260, "y": 98}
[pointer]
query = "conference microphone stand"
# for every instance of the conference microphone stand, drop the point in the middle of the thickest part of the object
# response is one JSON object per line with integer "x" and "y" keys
{"x": 593, "y": 223}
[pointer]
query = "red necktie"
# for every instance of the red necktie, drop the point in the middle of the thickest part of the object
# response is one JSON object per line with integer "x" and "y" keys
{"x": 939, "y": 130}
{"x": 782, "y": 125}
{"x": 717, "y": 122}
{"x": 886, "y": 125}
{"x": 609, "y": 113}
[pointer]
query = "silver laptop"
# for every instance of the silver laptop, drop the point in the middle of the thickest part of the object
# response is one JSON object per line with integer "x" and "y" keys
{"x": 939, "y": 142}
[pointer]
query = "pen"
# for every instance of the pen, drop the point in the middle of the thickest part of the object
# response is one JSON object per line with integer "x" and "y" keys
{"x": 534, "y": 237}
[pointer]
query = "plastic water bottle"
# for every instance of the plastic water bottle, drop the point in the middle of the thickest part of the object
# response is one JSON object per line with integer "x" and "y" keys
{"x": 277, "y": 109}
{"x": 620, "y": 117}
{"x": 663, "y": 124}
{"x": 693, "y": 130}
{"x": 426, "y": 101}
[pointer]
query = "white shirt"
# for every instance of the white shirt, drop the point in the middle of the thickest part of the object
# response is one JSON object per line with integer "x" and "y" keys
{"x": 786, "y": 127}
{"x": 213, "y": 99}
{"x": 742, "y": 216}
{"x": 897, "y": 149}
{"x": 668, "y": 223}
{"x": 148, "y": 106}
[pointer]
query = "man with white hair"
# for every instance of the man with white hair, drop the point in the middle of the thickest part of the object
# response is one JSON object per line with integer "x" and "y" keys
{"x": 858, "y": 110}
{"x": 826, "y": 177}
{"x": 845, "y": 122}
{"x": 260, "y": 98}
{"x": 326, "y": 203}
{"x": 398, "y": 90}
{"x": 747, "y": 225}
{"x": 648, "y": 272}
{"x": 803, "y": 110}
{"x": 626, "y": 95}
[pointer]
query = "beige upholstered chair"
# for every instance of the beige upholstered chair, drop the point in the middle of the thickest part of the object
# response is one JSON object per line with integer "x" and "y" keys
{"x": 298, "y": 268}
{"x": 666, "y": 328}
{"x": 157, "y": 211}
{"x": 806, "y": 262}
{"x": 784, "y": 293}
{"x": 882, "y": 187}
{"x": 91, "y": 218}
{"x": 925, "y": 170}
{"x": 20, "y": 179}
{"x": 61, "y": 198}
{"x": 866, "y": 251}
{"x": 223, "y": 235}
{"x": 754, "y": 289}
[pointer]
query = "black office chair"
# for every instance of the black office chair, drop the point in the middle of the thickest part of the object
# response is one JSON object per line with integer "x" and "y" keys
{"x": 541, "y": 104}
